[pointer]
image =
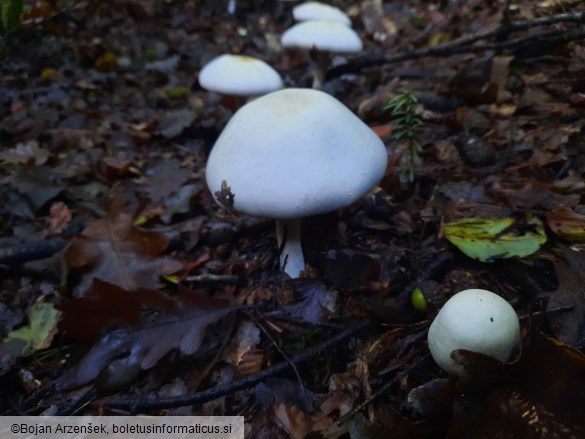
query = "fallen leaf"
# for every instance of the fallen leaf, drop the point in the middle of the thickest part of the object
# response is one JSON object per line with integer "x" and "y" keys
{"x": 246, "y": 338}
{"x": 347, "y": 269}
{"x": 314, "y": 302}
{"x": 532, "y": 195}
{"x": 165, "y": 178}
{"x": 107, "y": 307}
{"x": 542, "y": 395}
{"x": 59, "y": 218}
{"x": 108, "y": 62}
{"x": 178, "y": 92}
{"x": 28, "y": 153}
{"x": 114, "y": 250}
{"x": 383, "y": 131}
{"x": 39, "y": 332}
{"x": 487, "y": 240}
{"x": 173, "y": 122}
{"x": 567, "y": 224}
{"x": 146, "y": 334}
{"x": 292, "y": 406}
{"x": 569, "y": 325}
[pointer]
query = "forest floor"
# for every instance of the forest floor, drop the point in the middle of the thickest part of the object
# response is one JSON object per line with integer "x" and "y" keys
{"x": 126, "y": 289}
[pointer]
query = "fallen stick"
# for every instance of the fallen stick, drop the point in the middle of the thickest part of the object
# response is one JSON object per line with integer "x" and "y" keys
{"x": 137, "y": 405}
{"x": 467, "y": 44}
{"x": 31, "y": 251}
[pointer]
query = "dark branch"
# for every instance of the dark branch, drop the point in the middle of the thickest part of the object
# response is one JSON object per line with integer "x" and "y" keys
{"x": 31, "y": 251}
{"x": 467, "y": 44}
{"x": 142, "y": 405}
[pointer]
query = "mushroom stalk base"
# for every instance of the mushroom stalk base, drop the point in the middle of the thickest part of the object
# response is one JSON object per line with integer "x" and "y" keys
{"x": 291, "y": 256}
{"x": 319, "y": 62}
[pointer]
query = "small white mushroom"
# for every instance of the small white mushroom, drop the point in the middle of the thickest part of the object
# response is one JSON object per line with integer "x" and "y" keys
{"x": 231, "y": 7}
{"x": 475, "y": 320}
{"x": 316, "y": 11}
{"x": 239, "y": 76}
{"x": 291, "y": 154}
{"x": 321, "y": 38}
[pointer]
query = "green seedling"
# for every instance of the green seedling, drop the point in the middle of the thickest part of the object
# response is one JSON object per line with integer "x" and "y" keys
{"x": 406, "y": 124}
{"x": 11, "y": 15}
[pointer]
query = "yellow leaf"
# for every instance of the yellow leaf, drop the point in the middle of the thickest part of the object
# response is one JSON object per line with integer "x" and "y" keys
{"x": 107, "y": 62}
{"x": 38, "y": 334}
{"x": 487, "y": 240}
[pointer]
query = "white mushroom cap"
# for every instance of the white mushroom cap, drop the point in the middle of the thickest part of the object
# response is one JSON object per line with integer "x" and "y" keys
{"x": 475, "y": 320}
{"x": 294, "y": 153}
{"x": 312, "y": 11}
{"x": 322, "y": 35}
{"x": 239, "y": 75}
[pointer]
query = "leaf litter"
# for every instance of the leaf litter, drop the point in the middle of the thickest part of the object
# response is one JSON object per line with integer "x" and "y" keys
{"x": 148, "y": 325}
{"x": 85, "y": 112}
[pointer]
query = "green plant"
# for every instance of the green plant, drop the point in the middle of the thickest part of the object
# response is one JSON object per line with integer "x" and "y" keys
{"x": 11, "y": 15}
{"x": 406, "y": 124}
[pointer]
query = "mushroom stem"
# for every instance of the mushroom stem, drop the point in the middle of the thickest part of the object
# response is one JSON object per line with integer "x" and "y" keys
{"x": 319, "y": 62}
{"x": 291, "y": 255}
{"x": 231, "y": 7}
{"x": 233, "y": 102}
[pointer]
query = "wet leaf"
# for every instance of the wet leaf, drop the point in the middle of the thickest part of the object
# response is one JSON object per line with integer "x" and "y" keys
{"x": 348, "y": 269}
{"x": 567, "y": 224}
{"x": 174, "y": 122}
{"x": 314, "y": 302}
{"x": 360, "y": 428}
{"x": 114, "y": 250}
{"x": 59, "y": 218}
{"x": 487, "y": 240}
{"x": 434, "y": 399}
{"x": 383, "y": 131}
{"x": 396, "y": 425}
{"x": 28, "y": 153}
{"x": 533, "y": 195}
{"x": 107, "y": 307}
{"x": 108, "y": 62}
{"x": 293, "y": 406}
{"x": 247, "y": 337}
{"x": 569, "y": 325}
{"x": 40, "y": 330}
{"x": 146, "y": 334}
{"x": 540, "y": 396}
{"x": 178, "y": 92}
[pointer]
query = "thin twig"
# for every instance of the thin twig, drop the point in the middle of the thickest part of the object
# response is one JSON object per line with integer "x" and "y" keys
{"x": 210, "y": 278}
{"x": 142, "y": 405}
{"x": 286, "y": 357}
{"x": 381, "y": 390}
{"x": 31, "y": 251}
{"x": 467, "y": 44}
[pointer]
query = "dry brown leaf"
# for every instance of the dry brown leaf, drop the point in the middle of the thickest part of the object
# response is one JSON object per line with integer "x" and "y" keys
{"x": 114, "y": 250}
{"x": 150, "y": 325}
{"x": 59, "y": 218}
{"x": 567, "y": 224}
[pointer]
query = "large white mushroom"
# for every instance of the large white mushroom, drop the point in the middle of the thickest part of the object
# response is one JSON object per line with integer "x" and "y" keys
{"x": 321, "y": 39}
{"x": 316, "y": 11}
{"x": 291, "y": 154}
{"x": 475, "y": 320}
{"x": 239, "y": 76}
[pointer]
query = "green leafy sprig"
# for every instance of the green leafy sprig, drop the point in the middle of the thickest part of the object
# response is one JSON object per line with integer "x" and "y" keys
{"x": 11, "y": 15}
{"x": 406, "y": 124}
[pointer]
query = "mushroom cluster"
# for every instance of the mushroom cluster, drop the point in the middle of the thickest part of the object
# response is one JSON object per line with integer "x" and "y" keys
{"x": 475, "y": 320}
{"x": 322, "y": 30}
{"x": 291, "y": 154}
